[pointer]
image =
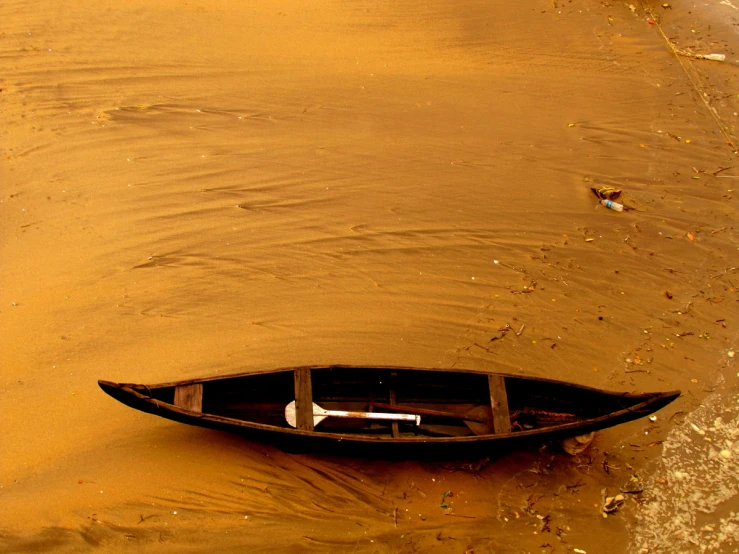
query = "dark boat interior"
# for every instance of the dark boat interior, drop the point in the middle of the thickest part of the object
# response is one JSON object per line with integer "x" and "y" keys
{"x": 450, "y": 403}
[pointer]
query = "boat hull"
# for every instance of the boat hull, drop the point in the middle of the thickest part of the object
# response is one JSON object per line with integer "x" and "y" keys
{"x": 414, "y": 386}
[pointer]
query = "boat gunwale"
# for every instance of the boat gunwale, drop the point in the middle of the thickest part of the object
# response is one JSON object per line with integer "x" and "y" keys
{"x": 387, "y": 368}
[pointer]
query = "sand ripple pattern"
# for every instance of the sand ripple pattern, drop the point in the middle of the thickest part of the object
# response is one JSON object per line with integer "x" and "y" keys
{"x": 193, "y": 188}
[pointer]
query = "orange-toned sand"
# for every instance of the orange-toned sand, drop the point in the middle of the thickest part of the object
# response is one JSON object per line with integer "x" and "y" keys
{"x": 195, "y": 188}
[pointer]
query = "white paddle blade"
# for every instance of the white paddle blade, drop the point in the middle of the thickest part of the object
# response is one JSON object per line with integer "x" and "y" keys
{"x": 290, "y": 414}
{"x": 292, "y": 419}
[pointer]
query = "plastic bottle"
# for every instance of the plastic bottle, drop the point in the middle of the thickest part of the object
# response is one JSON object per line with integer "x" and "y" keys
{"x": 714, "y": 57}
{"x": 612, "y": 205}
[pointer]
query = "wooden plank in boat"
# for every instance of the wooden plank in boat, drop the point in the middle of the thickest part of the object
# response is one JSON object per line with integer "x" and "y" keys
{"x": 189, "y": 397}
{"x": 445, "y": 430}
{"x": 396, "y": 430}
{"x": 499, "y": 402}
{"x": 303, "y": 399}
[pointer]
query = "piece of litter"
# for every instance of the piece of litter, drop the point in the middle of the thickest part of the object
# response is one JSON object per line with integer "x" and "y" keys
{"x": 653, "y": 418}
{"x": 613, "y": 503}
{"x": 714, "y": 57}
{"x": 697, "y": 429}
{"x": 579, "y": 551}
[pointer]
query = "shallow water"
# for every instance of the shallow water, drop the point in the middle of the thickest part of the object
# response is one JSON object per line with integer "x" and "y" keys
{"x": 198, "y": 189}
{"x": 692, "y": 503}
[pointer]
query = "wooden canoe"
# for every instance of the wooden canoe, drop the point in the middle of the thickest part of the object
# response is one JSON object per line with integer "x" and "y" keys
{"x": 456, "y": 407}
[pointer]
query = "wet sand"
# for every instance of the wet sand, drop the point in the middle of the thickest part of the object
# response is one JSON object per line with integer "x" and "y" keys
{"x": 197, "y": 189}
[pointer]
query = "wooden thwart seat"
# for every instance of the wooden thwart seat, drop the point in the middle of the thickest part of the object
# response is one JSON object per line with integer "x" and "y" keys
{"x": 189, "y": 397}
{"x": 394, "y": 425}
{"x": 303, "y": 399}
{"x": 499, "y": 403}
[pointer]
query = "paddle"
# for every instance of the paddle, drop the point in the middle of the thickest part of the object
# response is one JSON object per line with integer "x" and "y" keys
{"x": 469, "y": 416}
{"x": 319, "y": 414}
{"x": 479, "y": 420}
{"x": 478, "y": 427}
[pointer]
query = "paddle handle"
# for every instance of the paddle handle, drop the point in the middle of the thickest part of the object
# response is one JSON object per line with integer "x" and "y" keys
{"x": 429, "y": 412}
{"x": 317, "y": 411}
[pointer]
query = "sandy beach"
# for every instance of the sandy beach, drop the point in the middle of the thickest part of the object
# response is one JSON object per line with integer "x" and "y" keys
{"x": 202, "y": 188}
